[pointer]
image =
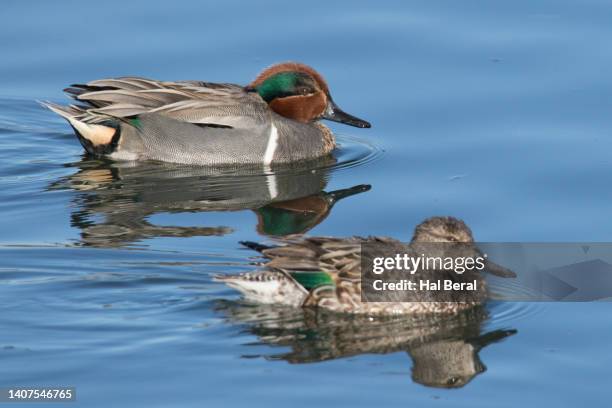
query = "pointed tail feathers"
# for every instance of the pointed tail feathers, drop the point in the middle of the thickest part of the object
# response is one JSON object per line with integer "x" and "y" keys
{"x": 255, "y": 246}
{"x": 97, "y": 135}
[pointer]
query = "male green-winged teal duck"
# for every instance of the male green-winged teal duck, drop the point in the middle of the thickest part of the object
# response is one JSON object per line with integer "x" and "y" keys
{"x": 274, "y": 119}
{"x": 326, "y": 272}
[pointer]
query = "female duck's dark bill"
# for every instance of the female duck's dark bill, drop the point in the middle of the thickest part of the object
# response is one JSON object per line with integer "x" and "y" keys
{"x": 334, "y": 113}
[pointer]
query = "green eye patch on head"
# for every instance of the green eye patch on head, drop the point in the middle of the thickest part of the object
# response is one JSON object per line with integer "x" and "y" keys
{"x": 285, "y": 84}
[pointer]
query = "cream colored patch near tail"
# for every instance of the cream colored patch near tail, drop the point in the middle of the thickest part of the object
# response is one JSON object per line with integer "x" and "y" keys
{"x": 96, "y": 134}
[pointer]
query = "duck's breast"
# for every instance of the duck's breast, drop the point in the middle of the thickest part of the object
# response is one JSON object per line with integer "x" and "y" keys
{"x": 300, "y": 141}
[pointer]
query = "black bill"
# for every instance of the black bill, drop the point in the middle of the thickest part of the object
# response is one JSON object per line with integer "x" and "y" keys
{"x": 334, "y": 113}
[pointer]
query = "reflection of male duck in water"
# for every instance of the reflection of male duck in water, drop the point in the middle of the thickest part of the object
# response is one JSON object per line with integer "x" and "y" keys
{"x": 444, "y": 348}
{"x": 113, "y": 202}
{"x": 301, "y": 214}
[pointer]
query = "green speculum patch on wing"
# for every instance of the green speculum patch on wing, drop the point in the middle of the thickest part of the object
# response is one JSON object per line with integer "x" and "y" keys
{"x": 136, "y": 122}
{"x": 310, "y": 280}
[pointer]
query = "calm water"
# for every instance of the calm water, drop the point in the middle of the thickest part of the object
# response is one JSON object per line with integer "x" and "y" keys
{"x": 494, "y": 112}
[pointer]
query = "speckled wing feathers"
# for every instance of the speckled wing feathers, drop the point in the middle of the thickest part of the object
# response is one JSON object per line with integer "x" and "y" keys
{"x": 339, "y": 258}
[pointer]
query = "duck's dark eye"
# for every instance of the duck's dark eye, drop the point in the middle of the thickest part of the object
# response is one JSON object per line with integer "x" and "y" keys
{"x": 452, "y": 239}
{"x": 303, "y": 91}
{"x": 452, "y": 381}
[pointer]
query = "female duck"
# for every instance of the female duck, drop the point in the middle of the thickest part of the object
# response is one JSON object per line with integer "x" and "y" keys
{"x": 326, "y": 272}
{"x": 272, "y": 120}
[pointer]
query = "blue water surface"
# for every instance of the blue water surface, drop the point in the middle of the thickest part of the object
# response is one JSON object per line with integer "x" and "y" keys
{"x": 494, "y": 112}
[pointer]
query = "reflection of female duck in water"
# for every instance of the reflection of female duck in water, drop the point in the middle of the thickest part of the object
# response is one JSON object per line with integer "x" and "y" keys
{"x": 444, "y": 348}
{"x": 114, "y": 201}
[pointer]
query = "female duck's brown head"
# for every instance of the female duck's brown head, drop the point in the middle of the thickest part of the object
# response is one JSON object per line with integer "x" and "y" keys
{"x": 298, "y": 92}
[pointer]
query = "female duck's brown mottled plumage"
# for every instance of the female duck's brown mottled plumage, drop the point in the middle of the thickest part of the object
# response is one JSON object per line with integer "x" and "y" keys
{"x": 340, "y": 260}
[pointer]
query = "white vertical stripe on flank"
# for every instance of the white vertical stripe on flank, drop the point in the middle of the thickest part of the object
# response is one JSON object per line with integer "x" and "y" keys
{"x": 272, "y": 187}
{"x": 272, "y": 145}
